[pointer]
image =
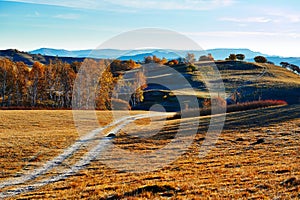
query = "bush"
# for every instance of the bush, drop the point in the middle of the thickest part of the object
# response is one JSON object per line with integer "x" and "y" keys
{"x": 191, "y": 68}
{"x": 209, "y": 57}
{"x": 240, "y": 56}
{"x": 232, "y": 57}
{"x": 172, "y": 62}
{"x": 217, "y": 101}
{"x": 284, "y": 64}
{"x": 204, "y": 58}
{"x": 254, "y": 105}
{"x": 260, "y": 59}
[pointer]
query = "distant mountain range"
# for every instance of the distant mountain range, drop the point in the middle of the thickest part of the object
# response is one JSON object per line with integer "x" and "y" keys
{"x": 218, "y": 54}
{"x": 43, "y": 55}
{"x": 139, "y": 55}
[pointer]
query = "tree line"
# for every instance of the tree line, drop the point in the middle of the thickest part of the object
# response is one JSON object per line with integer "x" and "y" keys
{"x": 52, "y": 85}
{"x": 292, "y": 67}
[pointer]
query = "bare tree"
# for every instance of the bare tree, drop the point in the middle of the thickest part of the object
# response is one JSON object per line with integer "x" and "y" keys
{"x": 190, "y": 58}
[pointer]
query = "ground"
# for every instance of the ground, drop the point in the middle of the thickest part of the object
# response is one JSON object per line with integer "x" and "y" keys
{"x": 256, "y": 157}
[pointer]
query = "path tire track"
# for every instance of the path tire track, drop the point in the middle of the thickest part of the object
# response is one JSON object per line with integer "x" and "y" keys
{"x": 58, "y": 161}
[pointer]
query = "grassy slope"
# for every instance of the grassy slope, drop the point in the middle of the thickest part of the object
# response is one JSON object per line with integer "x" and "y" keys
{"x": 254, "y": 81}
{"x": 29, "y": 59}
{"x": 235, "y": 168}
{"x": 265, "y": 80}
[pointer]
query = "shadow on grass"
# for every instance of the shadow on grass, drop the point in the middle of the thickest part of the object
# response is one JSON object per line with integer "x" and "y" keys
{"x": 262, "y": 117}
{"x": 164, "y": 191}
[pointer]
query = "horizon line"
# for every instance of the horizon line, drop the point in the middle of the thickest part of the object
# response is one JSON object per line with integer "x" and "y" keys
{"x": 152, "y": 48}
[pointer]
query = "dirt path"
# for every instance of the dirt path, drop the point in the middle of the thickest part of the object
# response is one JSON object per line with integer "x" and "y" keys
{"x": 58, "y": 161}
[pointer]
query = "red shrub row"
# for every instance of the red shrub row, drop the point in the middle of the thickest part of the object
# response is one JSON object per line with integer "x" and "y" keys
{"x": 254, "y": 105}
{"x": 232, "y": 108}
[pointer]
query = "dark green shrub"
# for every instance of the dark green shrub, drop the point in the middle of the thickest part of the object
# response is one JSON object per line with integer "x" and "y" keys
{"x": 260, "y": 59}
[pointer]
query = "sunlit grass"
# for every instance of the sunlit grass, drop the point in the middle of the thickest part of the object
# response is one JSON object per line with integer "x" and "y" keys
{"x": 235, "y": 168}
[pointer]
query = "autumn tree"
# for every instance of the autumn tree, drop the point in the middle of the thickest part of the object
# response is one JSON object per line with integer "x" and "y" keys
{"x": 217, "y": 102}
{"x": 190, "y": 58}
{"x": 53, "y": 85}
{"x": 20, "y": 78}
{"x": 156, "y": 59}
{"x": 173, "y": 62}
{"x": 131, "y": 64}
{"x": 49, "y": 81}
{"x": 203, "y": 58}
{"x": 207, "y": 57}
{"x": 210, "y": 57}
{"x": 76, "y": 66}
{"x": 105, "y": 90}
{"x": 35, "y": 84}
{"x": 59, "y": 78}
{"x": 139, "y": 85}
{"x": 148, "y": 59}
{"x": 118, "y": 65}
{"x": 86, "y": 84}
{"x": 6, "y": 81}
{"x": 164, "y": 61}
{"x": 232, "y": 57}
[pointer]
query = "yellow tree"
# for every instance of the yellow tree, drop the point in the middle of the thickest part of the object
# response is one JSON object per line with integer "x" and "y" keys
{"x": 36, "y": 83}
{"x": 59, "y": 79}
{"x": 85, "y": 83}
{"x": 105, "y": 90}
{"x": 21, "y": 72}
{"x": 190, "y": 58}
{"x": 140, "y": 84}
{"x": 6, "y": 81}
{"x": 67, "y": 80}
{"x": 50, "y": 81}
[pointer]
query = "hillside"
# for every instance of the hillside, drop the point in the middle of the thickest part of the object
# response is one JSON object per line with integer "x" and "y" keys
{"x": 28, "y": 58}
{"x": 277, "y": 60}
{"x": 264, "y": 81}
{"x": 251, "y": 81}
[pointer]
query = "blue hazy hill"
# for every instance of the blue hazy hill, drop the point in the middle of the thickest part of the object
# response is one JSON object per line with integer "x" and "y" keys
{"x": 140, "y": 54}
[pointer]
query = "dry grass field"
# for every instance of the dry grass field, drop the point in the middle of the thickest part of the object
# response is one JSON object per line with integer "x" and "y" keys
{"x": 256, "y": 157}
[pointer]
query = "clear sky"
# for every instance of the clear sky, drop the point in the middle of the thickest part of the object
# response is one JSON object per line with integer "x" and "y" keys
{"x": 268, "y": 26}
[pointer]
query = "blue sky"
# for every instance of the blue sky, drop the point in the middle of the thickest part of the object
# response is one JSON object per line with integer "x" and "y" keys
{"x": 268, "y": 26}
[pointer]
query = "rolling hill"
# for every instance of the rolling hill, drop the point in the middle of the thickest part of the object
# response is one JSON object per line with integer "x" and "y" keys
{"x": 251, "y": 81}
{"x": 28, "y": 58}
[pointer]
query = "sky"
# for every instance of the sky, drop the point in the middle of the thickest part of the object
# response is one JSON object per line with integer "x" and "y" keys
{"x": 267, "y": 26}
